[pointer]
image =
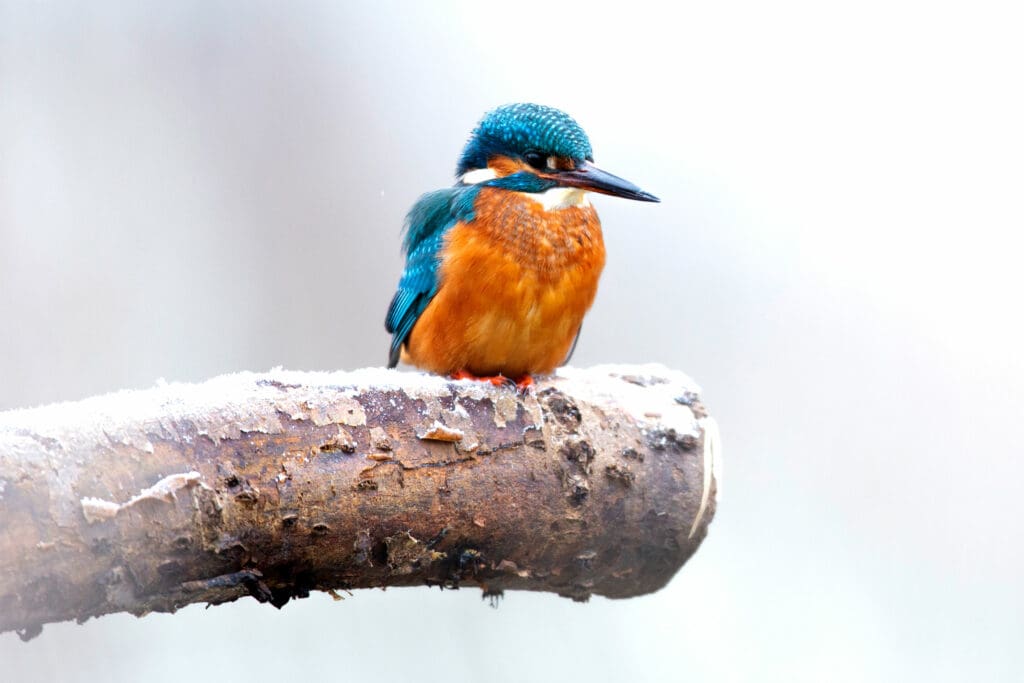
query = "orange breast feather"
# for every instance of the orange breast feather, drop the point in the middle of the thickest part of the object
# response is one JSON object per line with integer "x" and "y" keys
{"x": 514, "y": 285}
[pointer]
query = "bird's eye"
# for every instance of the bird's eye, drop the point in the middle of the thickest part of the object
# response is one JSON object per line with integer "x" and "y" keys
{"x": 536, "y": 160}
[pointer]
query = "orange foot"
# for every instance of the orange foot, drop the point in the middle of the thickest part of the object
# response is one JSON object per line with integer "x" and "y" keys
{"x": 522, "y": 384}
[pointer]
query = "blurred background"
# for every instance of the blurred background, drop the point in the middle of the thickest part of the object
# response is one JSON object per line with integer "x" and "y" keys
{"x": 195, "y": 188}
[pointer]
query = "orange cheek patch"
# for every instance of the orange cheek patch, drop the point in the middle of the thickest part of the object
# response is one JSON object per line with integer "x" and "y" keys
{"x": 505, "y": 166}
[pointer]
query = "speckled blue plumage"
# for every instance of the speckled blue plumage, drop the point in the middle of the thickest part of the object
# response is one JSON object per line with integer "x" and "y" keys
{"x": 514, "y": 129}
{"x": 510, "y": 130}
{"x": 428, "y": 221}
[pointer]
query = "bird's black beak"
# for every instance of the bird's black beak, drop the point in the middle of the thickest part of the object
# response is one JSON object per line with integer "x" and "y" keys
{"x": 589, "y": 177}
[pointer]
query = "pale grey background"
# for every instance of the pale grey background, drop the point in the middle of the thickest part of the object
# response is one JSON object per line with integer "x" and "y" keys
{"x": 192, "y": 188}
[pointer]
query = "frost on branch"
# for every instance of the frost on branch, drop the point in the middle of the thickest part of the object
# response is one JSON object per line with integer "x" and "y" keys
{"x": 600, "y": 481}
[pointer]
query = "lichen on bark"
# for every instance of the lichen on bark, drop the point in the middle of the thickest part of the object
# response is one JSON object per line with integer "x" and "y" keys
{"x": 598, "y": 481}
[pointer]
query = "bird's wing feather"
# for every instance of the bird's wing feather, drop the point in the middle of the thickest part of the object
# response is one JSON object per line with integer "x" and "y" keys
{"x": 428, "y": 221}
{"x": 572, "y": 349}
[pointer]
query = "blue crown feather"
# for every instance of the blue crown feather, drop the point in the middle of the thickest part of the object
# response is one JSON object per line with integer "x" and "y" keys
{"x": 514, "y": 129}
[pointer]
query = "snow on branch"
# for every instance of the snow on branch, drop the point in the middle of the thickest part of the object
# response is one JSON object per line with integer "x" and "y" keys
{"x": 599, "y": 481}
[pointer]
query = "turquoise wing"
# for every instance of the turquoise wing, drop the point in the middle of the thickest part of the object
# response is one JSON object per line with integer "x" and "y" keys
{"x": 430, "y": 219}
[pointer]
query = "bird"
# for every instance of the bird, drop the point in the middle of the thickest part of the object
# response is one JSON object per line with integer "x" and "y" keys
{"x": 502, "y": 267}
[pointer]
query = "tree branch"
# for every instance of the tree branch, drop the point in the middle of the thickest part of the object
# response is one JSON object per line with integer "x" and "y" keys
{"x": 599, "y": 481}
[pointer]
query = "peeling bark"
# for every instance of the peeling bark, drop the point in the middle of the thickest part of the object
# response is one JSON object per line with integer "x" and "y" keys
{"x": 598, "y": 481}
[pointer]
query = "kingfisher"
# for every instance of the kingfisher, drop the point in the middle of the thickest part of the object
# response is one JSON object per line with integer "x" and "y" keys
{"x": 501, "y": 268}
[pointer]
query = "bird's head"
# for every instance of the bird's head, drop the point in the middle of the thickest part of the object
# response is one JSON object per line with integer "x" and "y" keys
{"x": 535, "y": 149}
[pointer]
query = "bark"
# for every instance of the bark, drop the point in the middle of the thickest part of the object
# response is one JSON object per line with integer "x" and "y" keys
{"x": 598, "y": 481}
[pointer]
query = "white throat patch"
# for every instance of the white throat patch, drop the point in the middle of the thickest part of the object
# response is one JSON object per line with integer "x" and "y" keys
{"x": 559, "y": 197}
